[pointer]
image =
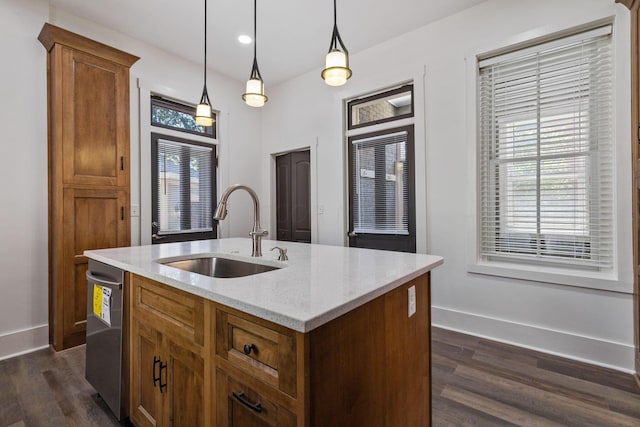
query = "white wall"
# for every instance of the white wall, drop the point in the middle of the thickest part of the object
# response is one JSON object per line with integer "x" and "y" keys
{"x": 23, "y": 178}
{"x": 23, "y": 118}
{"x": 580, "y": 323}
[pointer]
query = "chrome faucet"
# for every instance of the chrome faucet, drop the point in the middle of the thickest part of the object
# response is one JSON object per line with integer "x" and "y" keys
{"x": 257, "y": 233}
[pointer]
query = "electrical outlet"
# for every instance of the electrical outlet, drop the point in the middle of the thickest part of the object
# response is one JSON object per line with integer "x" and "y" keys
{"x": 412, "y": 301}
{"x": 320, "y": 209}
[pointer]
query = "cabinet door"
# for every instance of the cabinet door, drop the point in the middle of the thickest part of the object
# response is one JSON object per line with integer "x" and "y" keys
{"x": 95, "y": 120}
{"x": 184, "y": 399}
{"x": 240, "y": 406}
{"x": 145, "y": 397}
{"x": 92, "y": 219}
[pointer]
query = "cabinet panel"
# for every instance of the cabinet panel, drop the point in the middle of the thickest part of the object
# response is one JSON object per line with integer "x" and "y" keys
{"x": 408, "y": 377}
{"x": 92, "y": 219}
{"x": 347, "y": 387}
{"x": 95, "y": 94}
{"x": 371, "y": 366}
{"x": 240, "y": 406}
{"x": 181, "y": 313}
{"x": 260, "y": 351}
{"x": 184, "y": 399}
{"x": 167, "y": 369}
{"x": 145, "y": 398}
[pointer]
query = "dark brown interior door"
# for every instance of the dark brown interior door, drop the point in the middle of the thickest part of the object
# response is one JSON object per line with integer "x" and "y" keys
{"x": 293, "y": 196}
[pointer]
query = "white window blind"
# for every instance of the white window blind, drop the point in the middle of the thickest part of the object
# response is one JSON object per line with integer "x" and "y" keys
{"x": 184, "y": 202}
{"x": 546, "y": 157}
{"x": 380, "y": 180}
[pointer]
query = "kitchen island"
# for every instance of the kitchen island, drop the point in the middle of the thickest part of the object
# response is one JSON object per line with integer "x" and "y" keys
{"x": 333, "y": 336}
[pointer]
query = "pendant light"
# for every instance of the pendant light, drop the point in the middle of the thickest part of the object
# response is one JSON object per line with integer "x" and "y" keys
{"x": 254, "y": 95}
{"x": 336, "y": 71}
{"x": 204, "y": 117}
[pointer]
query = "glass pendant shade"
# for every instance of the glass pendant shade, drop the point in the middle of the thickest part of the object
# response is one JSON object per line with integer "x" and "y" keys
{"x": 203, "y": 115}
{"x": 254, "y": 95}
{"x": 336, "y": 71}
{"x": 336, "y": 65}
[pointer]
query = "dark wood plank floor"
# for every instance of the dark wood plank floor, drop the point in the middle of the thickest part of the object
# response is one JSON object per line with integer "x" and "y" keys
{"x": 45, "y": 388}
{"x": 476, "y": 382}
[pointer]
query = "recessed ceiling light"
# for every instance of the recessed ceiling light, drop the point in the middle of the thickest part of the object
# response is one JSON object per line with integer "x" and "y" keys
{"x": 244, "y": 39}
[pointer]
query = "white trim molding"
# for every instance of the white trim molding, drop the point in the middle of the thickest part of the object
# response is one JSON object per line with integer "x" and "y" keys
{"x": 24, "y": 341}
{"x": 586, "y": 349}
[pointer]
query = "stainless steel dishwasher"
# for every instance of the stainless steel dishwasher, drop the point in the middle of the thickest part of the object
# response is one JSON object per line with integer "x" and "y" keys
{"x": 104, "y": 336}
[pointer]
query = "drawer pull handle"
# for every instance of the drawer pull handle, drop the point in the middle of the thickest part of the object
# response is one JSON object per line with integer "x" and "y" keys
{"x": 240, "y": 396}
{"x": 156, "y": 379}
{"x": 249, "y": 347}
{"x": 163, "y": 367}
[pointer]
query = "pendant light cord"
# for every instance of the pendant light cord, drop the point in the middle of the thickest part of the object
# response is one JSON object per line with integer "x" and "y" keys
{"x": 255, "y": 26}
{"x": 336, "y": 40}
{"x": 205, "y": 44}
{"x": 255, "y": 71}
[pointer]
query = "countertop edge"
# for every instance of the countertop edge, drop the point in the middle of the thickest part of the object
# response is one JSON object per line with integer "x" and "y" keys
{"x": 330, "y": 315}
{"x": 299, "y": 325}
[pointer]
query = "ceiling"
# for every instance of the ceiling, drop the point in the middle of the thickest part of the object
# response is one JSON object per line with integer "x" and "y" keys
{"x": 293, "y": 35}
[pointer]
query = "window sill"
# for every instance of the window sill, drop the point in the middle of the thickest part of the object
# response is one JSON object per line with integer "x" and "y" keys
{"x": 606, "y": 281}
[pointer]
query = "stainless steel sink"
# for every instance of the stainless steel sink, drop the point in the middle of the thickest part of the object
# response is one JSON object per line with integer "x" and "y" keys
{"x": 219, "y": 267}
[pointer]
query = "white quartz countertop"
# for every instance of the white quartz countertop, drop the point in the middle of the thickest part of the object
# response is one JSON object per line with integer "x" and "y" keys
{"x": 316, "y": 285}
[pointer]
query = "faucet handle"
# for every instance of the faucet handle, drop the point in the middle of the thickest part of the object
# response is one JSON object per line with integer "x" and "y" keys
{"x": 260, "y": 233}
{"x": 282, "y": 253}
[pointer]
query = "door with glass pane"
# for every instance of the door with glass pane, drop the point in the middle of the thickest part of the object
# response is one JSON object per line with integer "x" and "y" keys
{"x": 184, "y": 189}
{"x": 381, "y": 190}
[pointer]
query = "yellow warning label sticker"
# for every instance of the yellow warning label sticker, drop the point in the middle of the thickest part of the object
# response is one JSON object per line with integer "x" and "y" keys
{"x": 102, "y": 303}
{"x": 97, "y": 300}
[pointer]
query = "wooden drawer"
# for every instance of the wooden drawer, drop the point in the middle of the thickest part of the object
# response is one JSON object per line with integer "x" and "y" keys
{"x": 238, "y": 405}
{"x": 180, "y": 313}
{"x": 265, "y": 353}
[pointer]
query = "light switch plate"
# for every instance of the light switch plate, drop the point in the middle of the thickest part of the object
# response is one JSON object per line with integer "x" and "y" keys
{"x": 135, "y": 211}
{"x": 412, "y": 301}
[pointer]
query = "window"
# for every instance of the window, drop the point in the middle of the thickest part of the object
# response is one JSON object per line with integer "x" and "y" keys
{"x": 380, "y": 108}
{"x": 546, "y": 156}
{"x": 381, "y": 194}
{"x": 170, "y": 114}
{"x": 183, "y": 173}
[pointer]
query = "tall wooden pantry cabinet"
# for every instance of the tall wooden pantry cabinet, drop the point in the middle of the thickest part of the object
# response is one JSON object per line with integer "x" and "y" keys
{"x": 88, "y": 116}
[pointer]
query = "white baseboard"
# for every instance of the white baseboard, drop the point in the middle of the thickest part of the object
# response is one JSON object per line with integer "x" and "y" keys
{"x": 24, "y": 341}
{"x": 591, "y": 350}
